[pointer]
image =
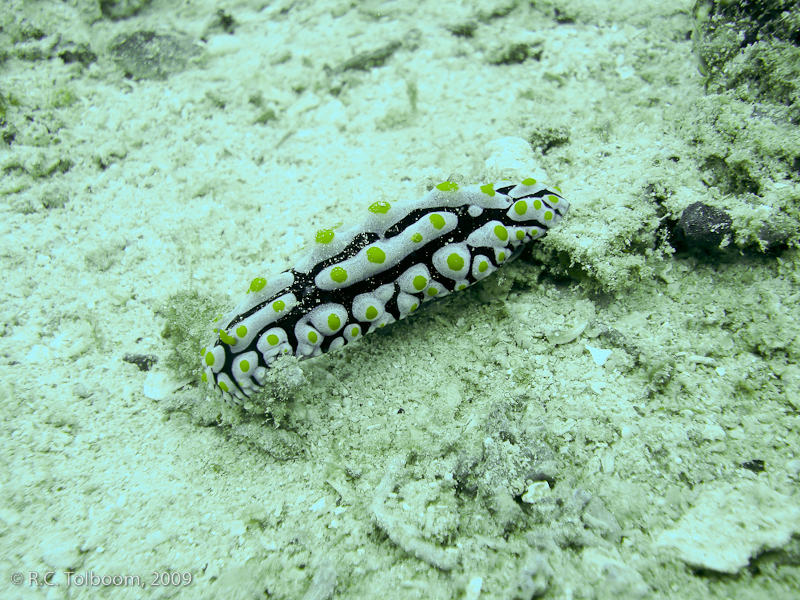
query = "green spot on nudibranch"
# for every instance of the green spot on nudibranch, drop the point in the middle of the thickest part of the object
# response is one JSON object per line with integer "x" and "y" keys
{"x": 244, "y": 366}
{"x": 437, "y": 220}
{"x": 380, "y": 207}
{"x": 354, "y": 331}
{"x": 338, "y": 274}
{"x": 226, "y": 339}
{"x": 488, "y": 189}
{"x": 537, "y": 204}
{"x": 416, "y": 238}
{"x": 520, "y": 207}
{"x": 272, "y": 339}
{"x": 455, "y": 262}
{"x": 413, "y": 307}
{"x": 223, "y": 386}
{"x": 463, "y": 286}
{"x": 278, "y": 305}
{"x": 204, "y": 377}
{"x": 371, "y": 312}
{"x": 312, "y": 337}
{"x": 520, "y": 234}
{"x": 432, "y": 291}
{"x": 257, "y": 284}
{"x": 529, "y": 181}
{"x": 501, "y": 233}
{"x": 325, "y": 236}
{"x": 376, "y": 255}
{"x": 334, "y": 322}
{"x": 548, "y": 215}
{"x": 209, "y": 359}
{"x": 483, "y": 266}
{"x": 241, "y": 331}
{"x": 420, "y": 282}
{"x": 501, "y": 257}
{"x": 447, "y": 186}
{"x": 553, "y": 199}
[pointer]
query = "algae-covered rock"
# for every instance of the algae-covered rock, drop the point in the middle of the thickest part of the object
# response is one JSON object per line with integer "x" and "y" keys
{"x": 148, "y": 55}
{"x": 744, "y": 133}
{"x": 752, "y": 47}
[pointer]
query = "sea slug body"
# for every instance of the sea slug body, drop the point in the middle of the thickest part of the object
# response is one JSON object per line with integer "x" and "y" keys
{"x": 355, "y": 281}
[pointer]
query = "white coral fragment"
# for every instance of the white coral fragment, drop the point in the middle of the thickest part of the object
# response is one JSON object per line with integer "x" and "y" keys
{"x": 599, "y": 355}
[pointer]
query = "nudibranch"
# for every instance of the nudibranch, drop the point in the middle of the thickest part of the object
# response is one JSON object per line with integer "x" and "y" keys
{"x": 355, "y": 281}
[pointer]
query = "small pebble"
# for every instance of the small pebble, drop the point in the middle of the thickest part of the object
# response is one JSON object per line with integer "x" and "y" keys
{"x": 473, "y": 590}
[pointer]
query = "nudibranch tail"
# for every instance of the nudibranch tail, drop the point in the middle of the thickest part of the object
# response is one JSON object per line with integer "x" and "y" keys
{"x": 355, "y": 281}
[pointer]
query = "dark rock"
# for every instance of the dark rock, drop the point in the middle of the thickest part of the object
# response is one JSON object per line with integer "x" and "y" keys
{"x": 71, "y": 52}
{"x": 464, "y": 30}
{"x": 513, "y": 54}
{"x": 756, "y": 465}
{"x": 143, "y": 361}
{"x": 370, "y": 59}
{"x": 703, "y": 227}
{"x": 225, "y": 21}
{"x": 122, "y": 9}
{"x": 776, "y": 235}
